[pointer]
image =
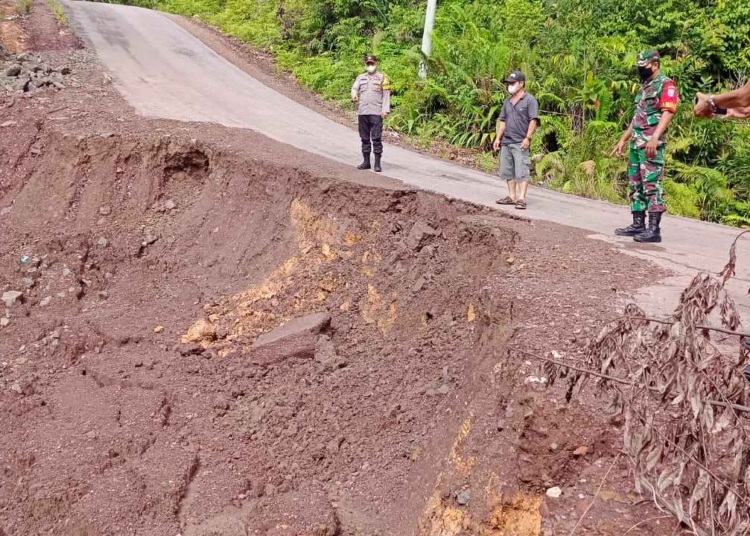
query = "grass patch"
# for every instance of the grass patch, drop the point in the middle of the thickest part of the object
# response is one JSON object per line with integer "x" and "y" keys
{"x": 23, "y": 7}
{"x": 58, "y": 11}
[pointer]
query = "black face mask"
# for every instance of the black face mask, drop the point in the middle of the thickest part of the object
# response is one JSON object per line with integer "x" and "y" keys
{"x": 645, "y": 73}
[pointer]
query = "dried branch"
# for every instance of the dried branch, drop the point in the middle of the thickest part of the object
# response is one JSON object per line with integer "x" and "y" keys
{"x": 643, "y": 523}
{"x": 699, "y": 326}
{"x": 736, "y": 407}
{"x": 596, "y": 495}
{"x": 685, "y": 402}
{"x": 578, "y": 369}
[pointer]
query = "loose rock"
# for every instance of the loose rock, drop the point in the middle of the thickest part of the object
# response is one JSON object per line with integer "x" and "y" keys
{"x": 419, "y": 285}
{"x": 419, "y": 235}
{"x": 202, "y": 331}
{"x": 296, "y": 338}
{"x": 46, "y": 301}
{"x": 554, "y": 493}
{"x": 11, "y": 297}
{"x": 105, "y": 210}
{"x": 463, "y": 498}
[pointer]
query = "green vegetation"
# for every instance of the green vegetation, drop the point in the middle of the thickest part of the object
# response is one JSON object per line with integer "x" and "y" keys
{"x": 578, "y": 54}
{"x": 59, "y": 11}
{"x": 23, "y": 7}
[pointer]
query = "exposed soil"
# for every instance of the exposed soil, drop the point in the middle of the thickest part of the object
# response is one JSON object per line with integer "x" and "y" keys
{"x": 137, "y": 395}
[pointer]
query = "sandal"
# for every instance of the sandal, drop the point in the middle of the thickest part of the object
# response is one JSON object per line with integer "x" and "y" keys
{"x": 521, "y": 204}
{"x": 505, "y": 201}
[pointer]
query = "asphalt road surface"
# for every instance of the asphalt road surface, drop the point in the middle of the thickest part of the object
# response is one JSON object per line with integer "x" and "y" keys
{"x": 165, "y": 72}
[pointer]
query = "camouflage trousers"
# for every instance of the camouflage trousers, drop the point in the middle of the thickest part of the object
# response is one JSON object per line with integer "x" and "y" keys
{"x": 645, "y": 176}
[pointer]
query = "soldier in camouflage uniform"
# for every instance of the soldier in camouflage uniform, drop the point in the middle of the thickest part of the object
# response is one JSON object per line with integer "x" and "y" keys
{"x": 655, "y": 105}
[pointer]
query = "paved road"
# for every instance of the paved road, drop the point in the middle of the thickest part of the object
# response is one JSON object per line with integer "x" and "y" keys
{"x": 165, "y": 72}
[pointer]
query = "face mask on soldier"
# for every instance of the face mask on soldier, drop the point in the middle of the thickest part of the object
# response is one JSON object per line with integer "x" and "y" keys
{"x": 513, "y": 88}
{"x": 645, "y": 73}
{"x": 372, "y": 68}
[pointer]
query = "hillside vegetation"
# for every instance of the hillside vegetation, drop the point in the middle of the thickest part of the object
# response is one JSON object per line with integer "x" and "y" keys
{"x": 579, "y": 56}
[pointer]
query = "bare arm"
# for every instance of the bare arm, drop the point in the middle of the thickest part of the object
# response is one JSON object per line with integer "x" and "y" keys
{"x": 499, "y": 134}
{"x": 620, "y": 147}
{"x": 739, "y": 98}
{"x": 627, "y": 134}
{"x": 532, "y": 128}
{"x": 500, "y": 130}
{"x": 739, "y": 113}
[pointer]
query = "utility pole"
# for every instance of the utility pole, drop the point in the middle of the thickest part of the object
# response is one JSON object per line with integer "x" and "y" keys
{"x": 429, "y": 25}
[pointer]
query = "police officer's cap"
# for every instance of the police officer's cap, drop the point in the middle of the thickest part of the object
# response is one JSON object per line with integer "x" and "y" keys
{"x": 647, "y": 56}
{"x": 370, "y": 58}
{"x": 515, "y": 76}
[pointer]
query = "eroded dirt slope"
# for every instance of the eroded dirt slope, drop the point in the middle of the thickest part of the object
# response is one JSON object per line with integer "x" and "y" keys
{"x": 153, "y": 259}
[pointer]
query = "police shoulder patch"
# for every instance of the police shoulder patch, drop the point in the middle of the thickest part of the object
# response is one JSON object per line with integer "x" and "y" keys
{"x": 386, "y": 82}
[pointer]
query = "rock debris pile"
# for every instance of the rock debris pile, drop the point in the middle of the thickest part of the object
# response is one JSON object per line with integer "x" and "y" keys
{"x": 27, "y": 72}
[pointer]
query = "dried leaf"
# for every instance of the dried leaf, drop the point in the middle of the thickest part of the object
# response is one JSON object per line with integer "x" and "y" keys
{"x": 699, "y": 491}
{"x": 708, "y": 417}
{"x": 654, "y": 457}
{"x": 728, "y": 508}
{"x": 666, "y": 479}
{"x": 672, "y": 432}
{"x": 724, "y": 422}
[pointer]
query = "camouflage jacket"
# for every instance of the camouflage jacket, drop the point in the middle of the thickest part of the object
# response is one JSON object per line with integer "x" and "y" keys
{"x": 654, "y": 98}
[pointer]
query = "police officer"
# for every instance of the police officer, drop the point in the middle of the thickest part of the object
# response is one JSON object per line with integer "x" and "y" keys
{"x": 372, "y": 90}
{"x": 655, "y": 105}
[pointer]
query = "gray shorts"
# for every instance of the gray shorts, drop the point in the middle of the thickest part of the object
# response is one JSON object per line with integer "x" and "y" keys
{"x": 515, "y": 163}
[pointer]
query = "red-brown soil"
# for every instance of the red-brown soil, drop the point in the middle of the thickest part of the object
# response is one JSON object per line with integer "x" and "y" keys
{"x": 152, "y": 254}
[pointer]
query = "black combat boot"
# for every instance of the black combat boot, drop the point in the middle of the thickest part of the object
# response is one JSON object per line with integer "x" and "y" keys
{"x": 653, "y": 233}
{"x": 365, "y": 162}
{"x": 377, "y": 168}
{"x": 639, "y": 225}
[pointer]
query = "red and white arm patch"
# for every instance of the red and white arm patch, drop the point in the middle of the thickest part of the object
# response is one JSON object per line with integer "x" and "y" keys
{"x": 669, "y": 97}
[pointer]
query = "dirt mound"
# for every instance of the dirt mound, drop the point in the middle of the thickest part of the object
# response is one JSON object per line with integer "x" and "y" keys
{"x": 139, "y": 239}
{"x": 205, "y": 332}
{"x": 150, "y": 275}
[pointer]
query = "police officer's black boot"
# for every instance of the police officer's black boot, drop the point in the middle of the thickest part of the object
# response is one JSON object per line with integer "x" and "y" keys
{"x": 638, "y": 226}
{"x": 377, "y": 167}
{"x": 653, "y": 233}
{"x": 365, "y": 162}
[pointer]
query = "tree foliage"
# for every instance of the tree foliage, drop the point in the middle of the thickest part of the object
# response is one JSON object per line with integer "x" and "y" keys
{"x": 579, "y": 58}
